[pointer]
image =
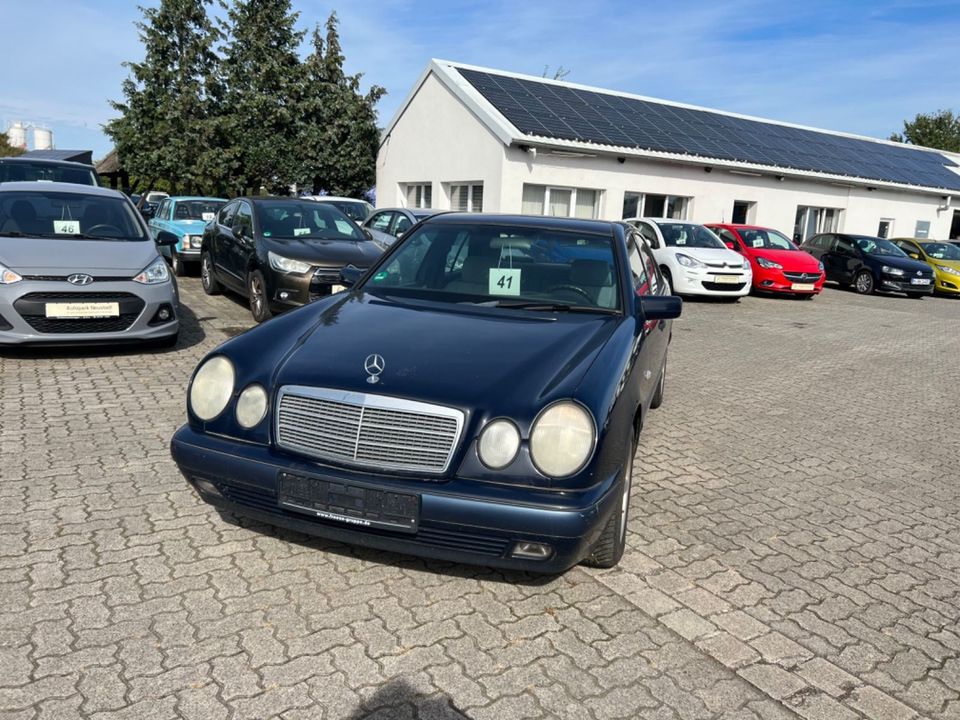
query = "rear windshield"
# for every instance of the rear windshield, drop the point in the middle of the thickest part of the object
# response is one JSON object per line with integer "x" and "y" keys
{"x": 305, "y": 219}
{"x": 25, "y": 171}
{"x": 68, "y": 215}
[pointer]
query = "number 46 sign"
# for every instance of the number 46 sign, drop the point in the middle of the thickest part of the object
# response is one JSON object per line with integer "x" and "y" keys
{"x": 504, "y": 281}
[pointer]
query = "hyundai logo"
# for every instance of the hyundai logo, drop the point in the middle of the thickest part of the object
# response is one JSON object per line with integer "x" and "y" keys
{"x": 79, "y": 279}
{"x": 374, "y": 365}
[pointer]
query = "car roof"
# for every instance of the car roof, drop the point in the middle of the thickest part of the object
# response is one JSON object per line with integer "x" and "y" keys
{"x": 325, "y": 198}
{"x": 740, "y": 226}
{"x": 920, "y": 241}
{"x": 175, "y": 198}
{"x": 44, "y": 161}
{"x": 60, "y": 187}
{"x": 530, "y": 221}
{"x": 419, "y": 212}
{"x": 671, "y": 221}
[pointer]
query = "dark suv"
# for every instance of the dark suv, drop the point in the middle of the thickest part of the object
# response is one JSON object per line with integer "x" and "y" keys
{"x": 870, "y": 264}
{"x": 22, "y": 169}
{"x": 281, "y": 252}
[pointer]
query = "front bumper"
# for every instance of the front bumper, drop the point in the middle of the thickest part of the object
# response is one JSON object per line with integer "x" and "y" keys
{"x": 890, "y": 283}
{"x": 776, "y": 281}
{"x": 947, "y": 283}
{"x": 23, "y": 320}
{"x": 698, "y": 281}
{"x": 459, "y": 520}
{"x": 292, "y": 289}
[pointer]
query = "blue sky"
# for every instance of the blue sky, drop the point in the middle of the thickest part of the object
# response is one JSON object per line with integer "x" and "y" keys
{"x": 856, "y": 66}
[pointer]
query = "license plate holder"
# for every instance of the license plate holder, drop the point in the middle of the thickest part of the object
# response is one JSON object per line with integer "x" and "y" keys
{"x": 727, "y": 279}
{"x": 805, "y": 287}
{"x": 351, "y": 505}
{"x": 919, "y": 281}
{"x": 82, "y": 310}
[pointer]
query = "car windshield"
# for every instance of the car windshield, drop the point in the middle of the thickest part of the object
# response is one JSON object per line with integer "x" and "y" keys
{"x": 502, "y": 265}
{"x": 26, "y": 171}
{"x": 878, "y": 246}
{"x": 688, "y": 235}
{"x": 942, "y": 251}
{"x": 63, "y": 215}
{"x": 305, "y": 219}
{"x": 354, "y": 209}
{"x": 766, "y": 239}
{"x": 197, "y": 209}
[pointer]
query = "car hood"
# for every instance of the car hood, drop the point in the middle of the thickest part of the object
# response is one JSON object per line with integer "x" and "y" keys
{"x": 906, "y": 264}
{"x": 798, "y": 260}
{"x": 455, "y": 356}
{"x": 955, "y": 264}
{"x": 47, "y": 256}
{"x": 332, "y": 253}
{"x": 186, "y": 227}
{"x": 709, "y": 255}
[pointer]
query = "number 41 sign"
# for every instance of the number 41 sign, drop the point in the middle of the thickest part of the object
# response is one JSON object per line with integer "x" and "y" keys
{"x": 504, "y": 281}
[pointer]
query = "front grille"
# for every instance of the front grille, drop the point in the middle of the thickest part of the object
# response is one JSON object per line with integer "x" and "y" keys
{"x": 63, "y": 278}
{"x": 428, "y": 535}
{"x": 738, "y": 266}
{"x": 731, "y": 287}
{"x": 32, "y": 308}
{"x": 802, "y": 277}
{"x": 367, "y": 430}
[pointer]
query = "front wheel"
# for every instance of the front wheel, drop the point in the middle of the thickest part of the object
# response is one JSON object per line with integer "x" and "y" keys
{"x": 657, "y": 399}
{"x": 259, "y": 302}
{"x": 177, "y": 263}
{"x": 667, "y": 278}
{"x": 863, "y": 283}
{"x": 211, "y": 286}
{"x": 613, "y": 540}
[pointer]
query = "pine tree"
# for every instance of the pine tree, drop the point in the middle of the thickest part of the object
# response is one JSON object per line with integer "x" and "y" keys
{"x": 263, "y": 82}
{"x": 339, "y": 134}
{"x": 168, "y": 124}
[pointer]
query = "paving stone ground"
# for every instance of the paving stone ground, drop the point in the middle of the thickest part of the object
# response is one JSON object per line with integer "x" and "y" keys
{"x": 794, "y": 549}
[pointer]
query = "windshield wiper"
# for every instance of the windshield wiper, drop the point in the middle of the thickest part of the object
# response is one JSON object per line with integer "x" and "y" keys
{"x": 553, "y": 307}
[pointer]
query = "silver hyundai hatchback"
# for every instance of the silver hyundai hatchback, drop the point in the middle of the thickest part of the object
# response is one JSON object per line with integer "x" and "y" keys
{"x": 78, "y": 266}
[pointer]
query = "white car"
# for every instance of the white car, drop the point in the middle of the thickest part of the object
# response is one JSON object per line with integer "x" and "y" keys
{"x": 694, "y": 260}
{"x": 356, "y": 210}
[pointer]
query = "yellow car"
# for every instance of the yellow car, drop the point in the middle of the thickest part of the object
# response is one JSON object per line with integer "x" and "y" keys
{"x": 943, "y": 257}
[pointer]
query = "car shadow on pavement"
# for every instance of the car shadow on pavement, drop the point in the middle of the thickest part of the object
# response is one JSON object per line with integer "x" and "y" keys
{"x": 385, "y": 557}
{"x": 397, "y": 698}
{"x": 191, "y": 333}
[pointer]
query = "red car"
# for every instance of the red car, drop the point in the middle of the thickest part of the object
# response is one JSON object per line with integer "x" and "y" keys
{"x": 778, "y": 264}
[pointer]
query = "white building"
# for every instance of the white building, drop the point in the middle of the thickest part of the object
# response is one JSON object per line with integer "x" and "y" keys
{"x": 469, "y": 138}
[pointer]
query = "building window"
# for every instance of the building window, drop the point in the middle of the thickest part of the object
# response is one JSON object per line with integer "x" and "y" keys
{"x": 466, "y": 198}
{"x": 743, "y": 211}
{"x": 813, "y": 220}
{"x": 657, "y": 206}
{"x": 923, "y": 229}
{"x": 885, "y": 229}
{"x": 560, "y": 202}
{"x": 419, "y": 195}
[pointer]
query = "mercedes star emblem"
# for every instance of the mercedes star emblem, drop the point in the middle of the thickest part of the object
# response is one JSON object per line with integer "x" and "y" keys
{"x": 80, "y": 279}
{"x": 374, "y": 365}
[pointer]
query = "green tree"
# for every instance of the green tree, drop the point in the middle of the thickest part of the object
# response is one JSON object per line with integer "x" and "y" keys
{"x": 6, "y": 149}
{"x": 339, "y": 135}
{"x": 263, "y": 81}
{"x": 940, "y": 130}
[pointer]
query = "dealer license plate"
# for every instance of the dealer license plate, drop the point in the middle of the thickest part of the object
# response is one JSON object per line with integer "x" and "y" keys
{"x": 727, "y": 279}
{"x": 349, "y": 504}
{"x": 82, "y": 310}
{"x": 802, "y": 286}
{"x": 919, "y": 281}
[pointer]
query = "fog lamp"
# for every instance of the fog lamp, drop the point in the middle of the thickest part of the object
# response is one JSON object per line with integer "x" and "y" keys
{"x": 206, "y": 487}
{"x": 532, "y": 551}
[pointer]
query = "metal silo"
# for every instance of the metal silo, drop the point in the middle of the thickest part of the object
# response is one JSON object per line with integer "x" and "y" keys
{"x": 42, "y": 138}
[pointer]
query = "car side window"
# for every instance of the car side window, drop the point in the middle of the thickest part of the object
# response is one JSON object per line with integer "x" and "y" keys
{"x": 649, "y": 234}
{"x": 845, "y": 247}
{"x": 727, "y": 236}
{"x": 638, "y": 269}
{"x": 653, "y": 272}
{"x": 225, "y": 217}
{"x": 381, "y": 221}
{"x": 909, "y": 247}
{"x": 243, "y": 220}
{"x": 162, "y": 213}
{"x": 403, "y": 224}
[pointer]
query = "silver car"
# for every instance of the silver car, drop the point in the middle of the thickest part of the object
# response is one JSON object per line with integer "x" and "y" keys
{"x": 387, "y": 225}
{"x": 78, "y": 266}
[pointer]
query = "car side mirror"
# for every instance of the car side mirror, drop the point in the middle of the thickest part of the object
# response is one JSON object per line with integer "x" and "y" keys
{"x": 367, "y": 233}
{"x": 401, "y": 234}
{"x": 914, "y": 256}
{"x": 659, "y": 307}
{"x": 350, "y": 275}
{"x": 730, "y": 245}
{"x": 166, "y": 239}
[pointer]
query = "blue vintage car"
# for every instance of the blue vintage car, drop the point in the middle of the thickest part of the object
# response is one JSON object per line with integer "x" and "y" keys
{"x": 466, "y": 399}
{"x": 185, "y": 217}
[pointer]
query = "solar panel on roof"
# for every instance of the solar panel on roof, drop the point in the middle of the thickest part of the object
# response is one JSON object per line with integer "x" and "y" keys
{"x": 564, "y": 113}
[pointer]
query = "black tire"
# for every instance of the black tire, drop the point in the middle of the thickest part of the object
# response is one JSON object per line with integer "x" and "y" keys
{"x": 211, "y": 286}
{"x": 863, "y": 283}
{"x": 613, "y": 540}
{"x": 257, "y": 292}
{"x": 177, "y": 263}
{"x": 657, "y": 399}
{"x": 665, "y": 271}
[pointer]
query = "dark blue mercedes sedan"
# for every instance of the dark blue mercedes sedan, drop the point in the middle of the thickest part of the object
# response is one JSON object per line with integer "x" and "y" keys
{"x": 475, "y": 396}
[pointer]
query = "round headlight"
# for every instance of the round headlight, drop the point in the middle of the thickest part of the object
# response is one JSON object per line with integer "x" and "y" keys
{"x": 498, "y": 444}
{"x": 562, "y": 439}
{"x": 251, "y": 406}
{"x": 212, "y": 387}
